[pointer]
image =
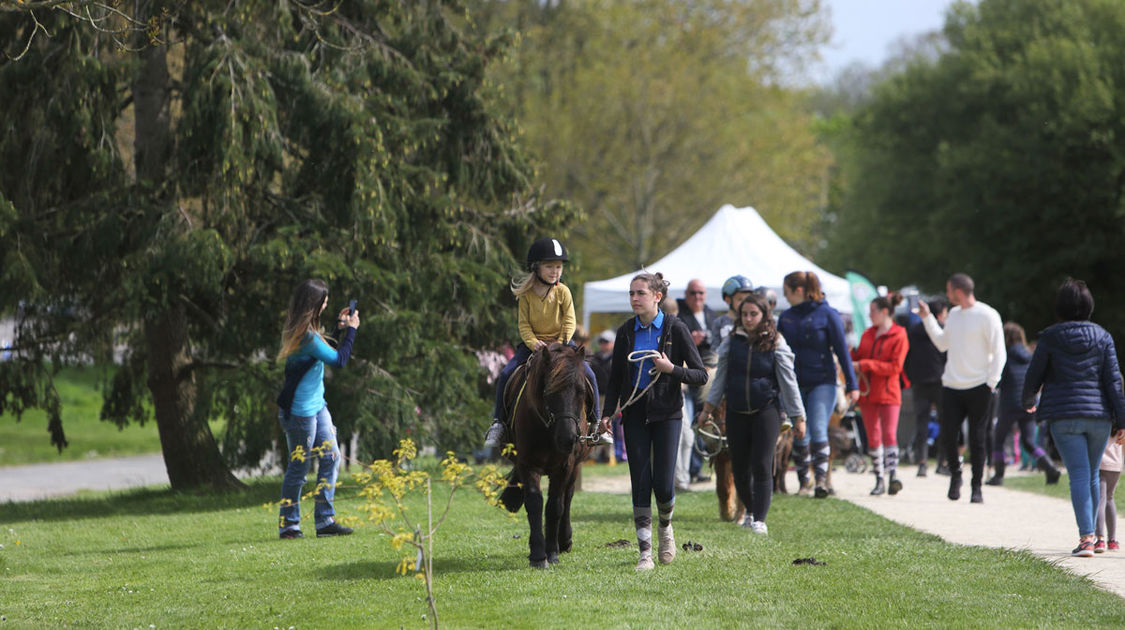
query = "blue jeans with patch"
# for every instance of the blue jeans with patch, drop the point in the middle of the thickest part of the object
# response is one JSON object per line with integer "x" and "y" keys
{"x": 1081, "y": 444}
{"x": 317, "y": 438}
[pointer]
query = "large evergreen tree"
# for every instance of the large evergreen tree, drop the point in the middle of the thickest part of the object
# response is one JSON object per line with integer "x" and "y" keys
{"x": 163, "y": 189}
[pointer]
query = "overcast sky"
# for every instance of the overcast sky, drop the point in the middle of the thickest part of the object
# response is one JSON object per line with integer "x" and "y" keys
{"x": 863, "y": 30}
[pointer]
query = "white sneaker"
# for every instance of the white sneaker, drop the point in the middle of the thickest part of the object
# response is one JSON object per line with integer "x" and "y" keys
{"x": 759, "y": 527}
{"x": 495, "y": 435}
{"x": 604, "y": 439}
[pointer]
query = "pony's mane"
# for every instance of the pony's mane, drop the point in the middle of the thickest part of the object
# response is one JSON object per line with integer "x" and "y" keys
{"x": 565, "y": 371}
{"x": 558, "y": 369}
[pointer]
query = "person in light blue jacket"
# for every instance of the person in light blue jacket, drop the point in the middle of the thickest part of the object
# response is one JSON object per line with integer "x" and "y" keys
{"x": 303, "y": 413}
{"x": 815, "y": 332}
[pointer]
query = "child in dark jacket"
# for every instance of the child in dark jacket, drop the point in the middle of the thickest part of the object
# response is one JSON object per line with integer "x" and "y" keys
{"x": 1011, "y": 412}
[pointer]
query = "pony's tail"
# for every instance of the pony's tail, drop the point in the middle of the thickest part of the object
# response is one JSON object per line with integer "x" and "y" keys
{"x": 512, "y": 496}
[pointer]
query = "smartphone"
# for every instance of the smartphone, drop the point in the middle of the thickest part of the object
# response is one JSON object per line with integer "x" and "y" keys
{"x": 351, "y": 307}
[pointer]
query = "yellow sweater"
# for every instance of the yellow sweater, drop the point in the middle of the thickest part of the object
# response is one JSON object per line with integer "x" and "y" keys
{"x": 549, "y": 318}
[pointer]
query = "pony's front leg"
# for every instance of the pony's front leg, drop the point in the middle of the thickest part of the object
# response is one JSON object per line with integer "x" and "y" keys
{"x": 566, "y": 534}
{"x": 533, "y": 505}
{"x": 556, "y": 508}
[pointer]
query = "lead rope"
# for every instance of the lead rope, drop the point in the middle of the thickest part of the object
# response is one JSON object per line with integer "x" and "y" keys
{"x": 639, "y": 356}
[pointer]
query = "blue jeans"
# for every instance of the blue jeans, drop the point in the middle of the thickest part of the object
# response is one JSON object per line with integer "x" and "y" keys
{"x": 309, "y": 432}
{"x": 1081, "y": 444}
{"x": 819, "y": 402}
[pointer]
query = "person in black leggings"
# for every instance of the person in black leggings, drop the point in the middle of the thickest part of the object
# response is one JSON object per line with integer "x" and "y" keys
{"x": 652, "y": 357}
{"x": 755, "y": 375}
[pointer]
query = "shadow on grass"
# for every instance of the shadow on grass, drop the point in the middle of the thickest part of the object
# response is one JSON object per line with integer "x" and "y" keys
{"x": 385, "y": 570}
{"x": 141, "y": 502}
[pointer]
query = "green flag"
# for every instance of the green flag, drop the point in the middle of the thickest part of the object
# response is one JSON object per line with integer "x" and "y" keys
{"x": 862, "y": 290}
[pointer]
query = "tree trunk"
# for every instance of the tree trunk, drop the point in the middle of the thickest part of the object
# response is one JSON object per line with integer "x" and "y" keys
{"x": 191, "y": 455}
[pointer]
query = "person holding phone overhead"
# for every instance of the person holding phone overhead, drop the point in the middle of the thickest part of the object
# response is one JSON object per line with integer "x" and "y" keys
{"x": 303, "y": 413}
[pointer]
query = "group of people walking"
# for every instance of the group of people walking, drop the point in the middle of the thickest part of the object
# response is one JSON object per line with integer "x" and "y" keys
{"x": 774, "y": 375}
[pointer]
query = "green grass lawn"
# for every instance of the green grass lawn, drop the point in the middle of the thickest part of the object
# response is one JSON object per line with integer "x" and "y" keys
{"x": 27, "y": 441}
{"x": 159, "y": 559}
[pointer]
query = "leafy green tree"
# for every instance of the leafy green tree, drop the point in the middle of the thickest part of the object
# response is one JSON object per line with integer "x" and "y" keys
{"x": 650, "y": 114}
{"x": 165, "y": 187}
{"x": 1002, "y": 157}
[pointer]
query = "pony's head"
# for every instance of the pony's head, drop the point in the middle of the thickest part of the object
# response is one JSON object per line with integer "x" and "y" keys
{"x": 558, "y": 374}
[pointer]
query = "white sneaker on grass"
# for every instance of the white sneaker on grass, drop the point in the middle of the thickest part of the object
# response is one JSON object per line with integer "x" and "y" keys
{"x": 758, "y": 527}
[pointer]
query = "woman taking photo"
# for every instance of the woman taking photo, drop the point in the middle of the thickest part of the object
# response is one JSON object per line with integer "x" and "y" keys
{"x": 303, "y": 413}
{"x": 652, "y": 356}
{"x": 815, "y": 332}
{"x": 1075, "y": 364}
{"x": 755, "y": 375}
{"x": 879, "y": 358}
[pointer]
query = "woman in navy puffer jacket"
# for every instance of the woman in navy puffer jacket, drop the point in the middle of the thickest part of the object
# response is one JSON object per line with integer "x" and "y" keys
{"x": 1075, "y": 363}
{"x": 814, "y": 331}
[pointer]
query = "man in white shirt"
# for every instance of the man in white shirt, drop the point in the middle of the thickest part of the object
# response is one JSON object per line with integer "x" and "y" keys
{"x": 974, "y": 339}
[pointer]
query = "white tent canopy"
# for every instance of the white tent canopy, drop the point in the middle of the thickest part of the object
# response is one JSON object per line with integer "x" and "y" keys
{"x": 735, "y": 241}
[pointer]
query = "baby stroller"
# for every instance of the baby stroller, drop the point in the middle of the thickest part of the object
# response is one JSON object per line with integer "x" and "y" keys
{"x": 849, "y": 441}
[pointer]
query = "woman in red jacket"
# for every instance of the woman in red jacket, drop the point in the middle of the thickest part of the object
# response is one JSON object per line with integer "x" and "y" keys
{"x": 879, "y": 358}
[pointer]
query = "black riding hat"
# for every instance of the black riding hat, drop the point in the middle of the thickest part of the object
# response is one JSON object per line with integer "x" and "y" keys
{"x": 545, "y": 249}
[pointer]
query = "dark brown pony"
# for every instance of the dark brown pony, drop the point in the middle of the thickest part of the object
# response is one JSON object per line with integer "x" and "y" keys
{"x": 549, "y": 412}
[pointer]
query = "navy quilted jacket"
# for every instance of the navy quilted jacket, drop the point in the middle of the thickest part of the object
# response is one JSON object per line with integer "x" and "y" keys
{"x": 1076, "y": 364}
{"x": 814, "y": 331}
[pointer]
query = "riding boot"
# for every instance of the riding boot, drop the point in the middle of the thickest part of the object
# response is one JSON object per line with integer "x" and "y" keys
{"x": 955, "y": 486}
{"x": 642, "y": 521}
{"x": 667, "y": 551}
{"x": 800, "y": 458}
{"x": 879, "y": 487}
{"x": 894, "y": 486}
{"x": 820, "y": 454}
{"x": 1047, "y": 466}
{"x": 998, "y": 476}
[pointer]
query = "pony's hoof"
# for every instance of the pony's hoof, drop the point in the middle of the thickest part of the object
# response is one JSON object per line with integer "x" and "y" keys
{"x": 512, "y": 498}
{"x": 566, "y": 546}
{"x": 539, "y": 564}
{"x": 553, "y": 558}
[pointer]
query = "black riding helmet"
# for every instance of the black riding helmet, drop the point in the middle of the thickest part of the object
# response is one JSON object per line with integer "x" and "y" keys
{"x": 545, "y": 249}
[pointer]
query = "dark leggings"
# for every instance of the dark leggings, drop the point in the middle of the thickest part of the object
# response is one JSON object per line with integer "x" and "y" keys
{"x": 926, "y": 395}
{"x": 957, "y": 404}
{"x": 1026, "y": 423}
{"x": 652, "y": 448}
{"x": 752, "y": 439}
